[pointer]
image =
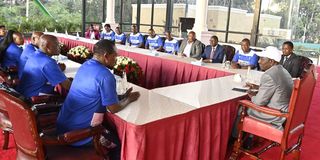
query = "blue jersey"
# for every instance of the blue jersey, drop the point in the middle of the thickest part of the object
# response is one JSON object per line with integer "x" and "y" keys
{"x": 155, "y": 42}
{"x": 171, "y": 46}
{"x": 120, "y": 38}
{"x": 28, "y": 51}
{"x": 40, "y": 74}
{"x": 107, "y": 35}
{"x": 245, "y": 59}
{"x": 135, "y": 39}
{"x": 11, "y": 56}
{"x": 92, "y": 90}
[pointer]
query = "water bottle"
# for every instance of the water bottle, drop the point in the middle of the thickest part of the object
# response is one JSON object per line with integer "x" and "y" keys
{"x": 249, "y": 76}
{"x": 125, "y": 84}
{"x": 151, "y": 49}
{"x": 77, "y": 38}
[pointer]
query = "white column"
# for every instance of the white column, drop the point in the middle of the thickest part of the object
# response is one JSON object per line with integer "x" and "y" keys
{"x": 200, "y": 23}
{"x": 110, "y": 12}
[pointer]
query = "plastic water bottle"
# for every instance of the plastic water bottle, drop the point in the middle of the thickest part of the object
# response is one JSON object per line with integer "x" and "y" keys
{"x": 77, "y": 38}
{"x": 249, "y": 76}
{"x": 151, "y": 49}
{"x": 125, "y": 84}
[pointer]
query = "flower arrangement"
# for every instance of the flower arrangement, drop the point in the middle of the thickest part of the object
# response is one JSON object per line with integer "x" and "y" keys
{"x": 130, "y": 67}
{"x": 79, "y": 54}
{"x": 63, "y": 49}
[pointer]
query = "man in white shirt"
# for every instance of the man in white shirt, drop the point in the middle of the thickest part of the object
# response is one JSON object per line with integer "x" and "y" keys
{"x": 191, "y": 47}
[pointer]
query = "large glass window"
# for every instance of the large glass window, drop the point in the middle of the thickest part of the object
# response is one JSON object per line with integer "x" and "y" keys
{"x": 218, "y": 17}
{"x": 241, "y": 20}
{"x": 182, "y": 9}
{"x": 295, "y": 20}
{"x": 159, "y": 16}
{"x": 128, "y": 15}
{"x": 94, "y": 11}
{"x": 146, "y": 14}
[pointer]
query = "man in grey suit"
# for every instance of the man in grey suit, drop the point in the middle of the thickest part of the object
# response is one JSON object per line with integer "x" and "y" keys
{"x": 289, "y": 60}
{"x": 191, "y": 47}
{"x": 275, "y": 87}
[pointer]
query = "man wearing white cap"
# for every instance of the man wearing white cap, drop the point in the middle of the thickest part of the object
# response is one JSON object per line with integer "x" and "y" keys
{"x": 275, "y": 87}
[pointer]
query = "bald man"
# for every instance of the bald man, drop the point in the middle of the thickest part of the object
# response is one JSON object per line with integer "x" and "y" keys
{"x": 12, "y": 54}
{"x": 29, "y": 50}
{"x": 41, "y": 73}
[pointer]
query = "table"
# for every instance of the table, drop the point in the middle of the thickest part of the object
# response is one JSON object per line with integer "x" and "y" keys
{"x": 189, "y": 120}
{"x": 163, "y": 70}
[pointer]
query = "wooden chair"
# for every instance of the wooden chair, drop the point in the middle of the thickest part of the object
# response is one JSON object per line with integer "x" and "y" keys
{"x": 289, "y": 139}
{"x": 31, "y": 144}
{"x": 230, "y": 51}
{"x": 47, "y": 107}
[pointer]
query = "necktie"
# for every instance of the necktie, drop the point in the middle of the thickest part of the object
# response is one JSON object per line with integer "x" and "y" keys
{"x": 285, "y": 59}
{"x": 212, "y": 53}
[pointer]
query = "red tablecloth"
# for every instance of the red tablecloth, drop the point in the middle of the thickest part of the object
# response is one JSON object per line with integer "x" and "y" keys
{"x": 161, "y": 72}
{"x": 200, "y": 134}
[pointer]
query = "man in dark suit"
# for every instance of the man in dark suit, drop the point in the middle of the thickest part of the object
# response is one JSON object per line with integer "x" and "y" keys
{"x": 191, "y": 47}
{"x": 289, "y": 60}
{"x": 214, "y": 52}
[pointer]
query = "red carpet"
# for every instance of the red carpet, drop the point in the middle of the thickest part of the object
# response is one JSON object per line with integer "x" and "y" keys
{"x": 310, "y": 143}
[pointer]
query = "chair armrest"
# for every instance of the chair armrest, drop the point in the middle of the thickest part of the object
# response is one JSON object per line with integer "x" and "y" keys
{"x": 263, "y": 109}
{"x": 72, "y": 136}
{"x": 46, "y": 99}
{"x": 45, "y": 108}
{"x": 48, "y": 120}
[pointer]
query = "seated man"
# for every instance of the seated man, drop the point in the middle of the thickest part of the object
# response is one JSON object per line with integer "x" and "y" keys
{"x": 41, "y": 73}
{"x": 135, "y": 38}
{"x": 154, "y": 41}
{"x": 93, "y": 93}
{"x": 171, "y": 45}
{"x": 92, "y": 33}
{"x": 275, "y": 87}
{"x": 120, "y": 38}
{"x": 289, "y": 60}
{"x": 214, "y": 52}
{"x": 107, "y": 33}
{"x": 191, "y": 47}
{"x": 2, "y": 32}
{"x": 29, "y": 50}
{"x": 11, "y": 55}
{"x": 245, "y": 57}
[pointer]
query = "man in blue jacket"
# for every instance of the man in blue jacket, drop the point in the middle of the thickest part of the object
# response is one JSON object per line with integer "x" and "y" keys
{"x": 214, "y": 52}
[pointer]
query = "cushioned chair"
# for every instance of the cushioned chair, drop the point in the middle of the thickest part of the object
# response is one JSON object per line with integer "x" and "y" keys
{"x": 291, "y": 136}
{"x": 230, "y": 51}
{"x": 46, "y": 106}
{"x": 305, "y": 64}
{"x": 5, "y": 125}
{"x": 31, "y": 144}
